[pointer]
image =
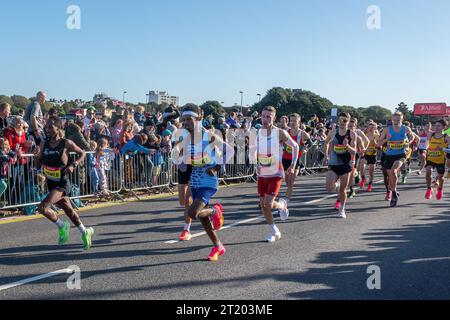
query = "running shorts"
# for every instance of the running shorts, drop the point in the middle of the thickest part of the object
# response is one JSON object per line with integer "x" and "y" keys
{"x": 269, "y": 186}
{"x": 287, "y": 163}
{"x": 440, "y": 168}
{"x": 370, "y": 159}
{"x": 184, "y": 176}
{"x": 390, "y": 160}
{"x": 341, "y": 170}
{"x": 203, "y": 194}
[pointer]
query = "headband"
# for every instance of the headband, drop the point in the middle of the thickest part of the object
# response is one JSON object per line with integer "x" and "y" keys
{"x": 190, "y": 114}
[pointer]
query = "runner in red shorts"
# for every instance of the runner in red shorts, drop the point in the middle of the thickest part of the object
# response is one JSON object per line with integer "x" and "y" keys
{"x": 270, "y": 140}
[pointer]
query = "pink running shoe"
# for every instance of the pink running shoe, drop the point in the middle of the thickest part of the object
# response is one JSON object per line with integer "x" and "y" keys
{"x": 216, "y": 252}
{"x": 429, "y": 194}
{"x": 218, "y": 219}
{"x": 337, "y": 205}
{"x": 362, "y": 183}
{"x": 388, "y": 196}
{"x": 439, "y": 194}
{"x": 369, "y": 188}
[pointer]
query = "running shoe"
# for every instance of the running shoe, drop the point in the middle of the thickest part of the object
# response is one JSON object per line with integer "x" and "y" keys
{"x": 403, "y": 179}
{"x": 87, "y": 238}
{"x": 342, "y": 214}
{"x": 274, "y": 237}
{"x": 419, "y": 172}
{"x": 64, "y": 234}
{"x": 369, "y": 188}
{"x": 185, "y": 236}
{"x": 283, "y": 210}
{"x": 388, "y": 196}
{"x": 394, "y": 200}
{"x": 216, "y": 252}
{"x": 337, "y": 205}
{"x": 439, "y": 194}
{"x": 363, "y": 183}
{"x": 429, "y": 194}
{"x": 446, "y": 150}
{"x": 351, "y": 194}
{"x": 218, "y": 219}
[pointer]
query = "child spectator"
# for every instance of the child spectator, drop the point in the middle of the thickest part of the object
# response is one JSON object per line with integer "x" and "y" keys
{"x": 103, "y": 157}
{"x": 6, "y": 157}
{"x": 91, "y": 166}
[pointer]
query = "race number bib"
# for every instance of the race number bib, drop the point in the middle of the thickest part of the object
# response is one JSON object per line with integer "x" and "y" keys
{"x": 53, "y": 174}
{"x": 340, "y": 149}
{"x": 397, "y": 145}
{"x": 265, "y": 160}
{"x": 199, "y": 161}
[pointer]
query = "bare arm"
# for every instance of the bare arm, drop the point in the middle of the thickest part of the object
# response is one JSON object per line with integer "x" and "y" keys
{"x": 285, "y": 138}
{"x": 72, "y": 147}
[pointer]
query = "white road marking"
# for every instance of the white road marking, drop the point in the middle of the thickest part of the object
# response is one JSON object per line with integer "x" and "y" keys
{"x": 37, "y": 278}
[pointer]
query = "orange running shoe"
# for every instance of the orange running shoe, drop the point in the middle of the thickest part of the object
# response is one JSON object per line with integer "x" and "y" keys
{"x": 217, "y": 219}
{"x": 185, "y": 236}
{"x": 216, "y": 252}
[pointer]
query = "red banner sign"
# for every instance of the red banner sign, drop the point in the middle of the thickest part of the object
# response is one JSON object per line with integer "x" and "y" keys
{"x": 432, "y": 109}
{"x": 448, "y": 111}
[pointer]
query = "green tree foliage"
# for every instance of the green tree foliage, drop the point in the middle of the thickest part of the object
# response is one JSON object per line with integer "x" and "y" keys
{"x": 213, "y": 108}
{"x": 20, "y": 102}
{"x": 6, "y": 99}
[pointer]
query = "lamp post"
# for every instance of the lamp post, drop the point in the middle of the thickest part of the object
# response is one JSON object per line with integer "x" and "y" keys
{"x": 124, "y": 93}
{"x": 242, "y": 98}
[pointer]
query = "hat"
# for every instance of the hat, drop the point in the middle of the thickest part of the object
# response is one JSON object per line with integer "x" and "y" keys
{"x": 258, "y": 126}
{"x": 91, "y": 108}
{"x": 167, "y": 133}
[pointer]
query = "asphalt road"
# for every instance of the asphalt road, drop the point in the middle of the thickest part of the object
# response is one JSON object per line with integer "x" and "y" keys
{"x": 318, "y": 257}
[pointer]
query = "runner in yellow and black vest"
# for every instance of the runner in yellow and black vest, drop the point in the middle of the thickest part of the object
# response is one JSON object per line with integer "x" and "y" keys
{"x": 436, "y": 158}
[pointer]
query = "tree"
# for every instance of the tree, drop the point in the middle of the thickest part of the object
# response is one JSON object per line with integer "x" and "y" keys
{"x": 403, "y": 108}
{"x": 20, "y": 102}
{"x": 7, "y": 100}
{"x": 213, "y": 108}
{"x": 377, "y": 114}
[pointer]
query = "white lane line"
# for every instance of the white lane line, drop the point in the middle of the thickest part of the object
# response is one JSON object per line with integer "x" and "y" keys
{"x": 37, "y": 278}
{"x": 262, "y": 217}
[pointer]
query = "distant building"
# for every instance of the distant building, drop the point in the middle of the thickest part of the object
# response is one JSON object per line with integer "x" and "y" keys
{"x": 160, "y": 97}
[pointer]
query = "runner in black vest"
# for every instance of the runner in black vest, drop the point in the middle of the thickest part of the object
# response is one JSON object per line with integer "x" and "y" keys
{"x": 53, "y": 157}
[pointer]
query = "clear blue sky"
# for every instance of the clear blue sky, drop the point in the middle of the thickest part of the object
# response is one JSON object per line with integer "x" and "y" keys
{"x": 204, "y": 49}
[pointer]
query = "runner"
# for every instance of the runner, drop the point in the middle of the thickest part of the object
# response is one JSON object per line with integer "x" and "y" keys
{"x": 302, "y": 139}
{"x": 422, "y": 147}
{"x": 204, "y": 182}
{"x": 270, "y": 168}
{"x": 361, "y": 143}
{"x": 53, "y": 156}
{"x": 340, "y": 146}
{"x": 370, "y": 157}
{"x": 406, "y": 168}
{"x": 436, "y": 157}
{"x": 447, "y": 132}
{"x": 396, "y": 138}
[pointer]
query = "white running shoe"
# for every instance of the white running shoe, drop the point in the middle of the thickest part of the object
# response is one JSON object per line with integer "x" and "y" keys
{"x": 283, "y": 210}
{"x": 274, "y": 237}
{"x": 342, "y": 214}
{"x": 446, "y": 150}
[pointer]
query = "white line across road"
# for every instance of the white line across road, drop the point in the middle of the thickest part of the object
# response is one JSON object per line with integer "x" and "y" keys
{"x": 37, "y": 278}
{"x": 259, "y": 217}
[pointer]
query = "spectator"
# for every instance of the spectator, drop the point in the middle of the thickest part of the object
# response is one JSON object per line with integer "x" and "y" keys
{"x": 53, "y": 113}
{"x": 5, "y": 111}
{"x": 115, "y": 134}
{"x": 128, "y": 116}
{"x": 100, "y": 131}
{"x": 117, "y": 115}
{"x": 103, "y": 159}
{"x": 21, "y": 112}
{"x": 139, "y": 116}
{"x": 17, "y": 140}
{"x": 91, "y": 166}
{"x": 34, "y": 117}
{"x": 6, "y": 157}
{"x": 166, "y": 145}
{"x": 232, "y": 121}
{"x": 136, "y": 144}
{"x": 284, "y": 123}
{"x": 170, "y": 114}
{"x": 89, "y": 121}
{"x": 126, "y": 135}
{"x": 74, "y": 132}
